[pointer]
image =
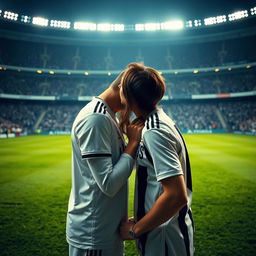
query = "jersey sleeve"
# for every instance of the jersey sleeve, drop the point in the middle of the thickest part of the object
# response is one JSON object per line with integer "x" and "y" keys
{"x": 94, "y": 136}
{"x": 162, "y": 149}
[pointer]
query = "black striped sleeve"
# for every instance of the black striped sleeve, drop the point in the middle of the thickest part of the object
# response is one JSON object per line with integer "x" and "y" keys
{"x": 96, "y": 155}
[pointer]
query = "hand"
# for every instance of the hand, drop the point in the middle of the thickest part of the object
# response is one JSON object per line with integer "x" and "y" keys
{"x": 124, "y": 229}
{"x": 134, "y": 130}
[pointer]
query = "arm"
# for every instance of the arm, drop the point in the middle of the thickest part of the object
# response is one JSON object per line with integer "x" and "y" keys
{"x": 163, "y": 150}
{"x": 95, "y": 145}
{"x": 173, "y": 198}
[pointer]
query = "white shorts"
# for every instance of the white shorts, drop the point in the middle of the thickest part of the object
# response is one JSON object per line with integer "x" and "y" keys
{"x": 73, "y": 251}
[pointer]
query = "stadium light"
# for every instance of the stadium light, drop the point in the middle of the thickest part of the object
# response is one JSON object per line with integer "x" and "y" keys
{"x": 189, "y": 24}
{"x": 85, "y": 26}
{"x": 196, "y": 71}
{"x": 253, "y": 11}
{"x": 110, "y": 27}
{"x": 215, "y": 20}
{"x": 40, "y": 21}
{"x": 11, "y": 15}
{"x": 39, "y": 71}
{"x": 152, "y": 26}
{"x": 118, "y": 27}
{"x": 51, "y": 72}
{"x": 0, "y": 12}
{"x": 25, "y": 19}
{"x": 60, "y": 24}
{"x": 172, "y": 25}
{"x": 216, "y": 69}
{"x": 197, "y": 23}
{"x": 139, "y": 27}
{"x": 238, "y": 15}
{"x": 109, "y": 73}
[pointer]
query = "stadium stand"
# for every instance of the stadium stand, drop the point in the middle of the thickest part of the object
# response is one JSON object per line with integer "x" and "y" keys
{"x": 220, "y": 98}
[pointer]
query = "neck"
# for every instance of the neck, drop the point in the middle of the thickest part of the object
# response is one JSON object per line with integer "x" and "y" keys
{"x": 141, "y": 114}
{"x": 112, "y": 98}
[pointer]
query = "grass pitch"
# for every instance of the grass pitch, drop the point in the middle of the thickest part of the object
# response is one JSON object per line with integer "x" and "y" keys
{"x": 35, "y": 177}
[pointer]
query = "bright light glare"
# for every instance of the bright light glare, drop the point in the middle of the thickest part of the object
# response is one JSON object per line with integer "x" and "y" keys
{"x": 152, "y": 26}
{"x": 215, "y": 20}
{"x": 10, "y": 15}
{"x": 253, "y": 11}
{"x": 40, "y": 21}
{"x": 60, "y": 24}
{"x": 139, "y": 27}
{"x": 25, "y": 19}
{"x": 189, "y": 24}
{"x": 172, "y": 25}
{"x": 85, "y": 26}
{"x": 238, "y": 15}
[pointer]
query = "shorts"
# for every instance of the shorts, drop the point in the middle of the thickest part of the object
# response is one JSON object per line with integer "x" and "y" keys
{"x": 73, "y": 251}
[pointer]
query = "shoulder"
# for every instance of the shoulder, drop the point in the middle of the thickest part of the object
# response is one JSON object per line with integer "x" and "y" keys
{"x": 153, "y": 121}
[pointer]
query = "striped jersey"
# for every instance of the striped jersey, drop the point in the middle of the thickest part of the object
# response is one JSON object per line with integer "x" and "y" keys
{"x": 163, "y": 154}
{"x": 100, "y": 169}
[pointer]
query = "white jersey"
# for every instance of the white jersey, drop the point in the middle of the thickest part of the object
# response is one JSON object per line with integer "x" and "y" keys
{"x": 98, "y": 199}
{"x": 163, "y": 154}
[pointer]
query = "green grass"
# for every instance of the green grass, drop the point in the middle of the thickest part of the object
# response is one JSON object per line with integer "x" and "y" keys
{"x": 35, "y": 185}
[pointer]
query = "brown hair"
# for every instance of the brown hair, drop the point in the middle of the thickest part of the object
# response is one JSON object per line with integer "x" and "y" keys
{"x": 142, "y": 85}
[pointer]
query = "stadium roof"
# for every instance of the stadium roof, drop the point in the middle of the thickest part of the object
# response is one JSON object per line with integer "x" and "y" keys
{"x": 129, "y": 11}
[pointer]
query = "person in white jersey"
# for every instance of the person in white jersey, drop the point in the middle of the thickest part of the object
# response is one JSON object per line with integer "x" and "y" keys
{"x": 101, "y": 165}
{"x": 162, "y": 223}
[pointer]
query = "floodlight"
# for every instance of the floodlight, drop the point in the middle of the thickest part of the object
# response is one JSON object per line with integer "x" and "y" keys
{"x": 86, "y": 73}
{"x": 85, "y": 26}
{"x": 195, "y": 71}
{"x": 25, "y": 18}
{"x": 11, "y": 15}
{"x": 118, "y": 27}
{"x": 215, "y": 20}
{"x": 109, "y": 73}
{"x": 60, "y": 24}
{"x": 253, "y": 11}
{"x": 172, "y": 25}
{"x": 216, "y": 69}
{"x": 189, "y": 24}
{"x": 152, "y": 26}
{"x": 39, "y": 71}
{"x": 139, "y": 27}
{"x": 104, "y": 27}
{"x": 0, "y": 12}
{"x": 238, "y": 15}
{"x": 51, "y": 72}
{"x": 197, "y": 23}
{"x": 40, "y": 21}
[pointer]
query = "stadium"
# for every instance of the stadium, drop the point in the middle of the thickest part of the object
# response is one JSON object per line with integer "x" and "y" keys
{"x": 51, "y": 66}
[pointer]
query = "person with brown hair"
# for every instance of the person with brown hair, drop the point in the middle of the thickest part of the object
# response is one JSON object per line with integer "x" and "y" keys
{"x": 101, "y": 165}
{"x": 162, "y": 223}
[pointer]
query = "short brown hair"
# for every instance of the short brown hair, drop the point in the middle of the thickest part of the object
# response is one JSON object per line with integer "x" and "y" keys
{"x": 141, "y": 84}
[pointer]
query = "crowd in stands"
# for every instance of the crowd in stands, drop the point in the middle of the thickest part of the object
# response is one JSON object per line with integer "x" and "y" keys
{"x": 89, "y": 86}
{"x": 187, "y": 116}
{"x": 26, "y": 118}
{"x": 109, "y": 57}
{"x": 240, "y": 116}
{"x": 33, "y": 117}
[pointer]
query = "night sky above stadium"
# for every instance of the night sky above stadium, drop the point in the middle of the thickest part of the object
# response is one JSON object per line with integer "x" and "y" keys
{"x": 129, "y": 12}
